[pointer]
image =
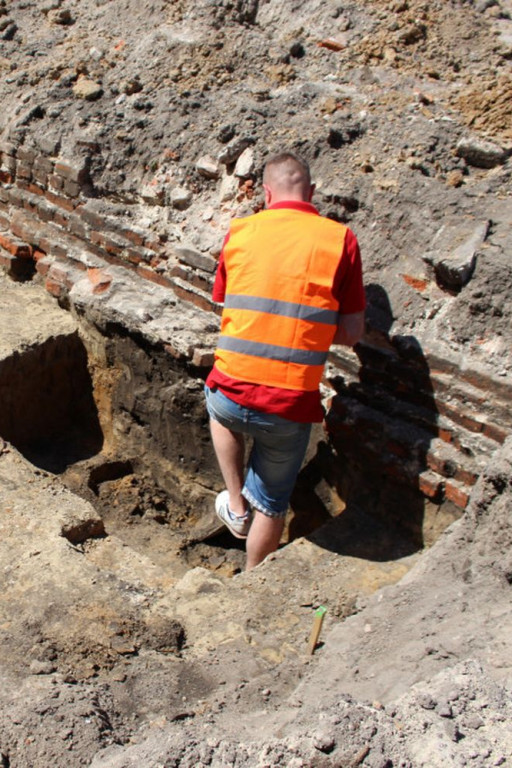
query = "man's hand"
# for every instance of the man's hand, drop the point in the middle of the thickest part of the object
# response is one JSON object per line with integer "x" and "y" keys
{"x": 350, "y": 329}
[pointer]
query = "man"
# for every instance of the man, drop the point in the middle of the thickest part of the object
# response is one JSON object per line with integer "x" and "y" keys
{"x": 291, "y": 283}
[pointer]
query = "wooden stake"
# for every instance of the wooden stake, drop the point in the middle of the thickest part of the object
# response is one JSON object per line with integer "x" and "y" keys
{"x": 317, "y": 626}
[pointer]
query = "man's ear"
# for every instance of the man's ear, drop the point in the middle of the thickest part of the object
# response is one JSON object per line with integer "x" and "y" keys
{"x": 268, "y": 195}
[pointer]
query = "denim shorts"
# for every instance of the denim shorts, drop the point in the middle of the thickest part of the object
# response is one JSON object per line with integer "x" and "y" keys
{"x": 278, "y": 450}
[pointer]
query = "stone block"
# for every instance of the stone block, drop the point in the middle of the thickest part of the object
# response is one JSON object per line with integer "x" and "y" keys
{"x": 245, "y": 164}
{"x": 232, "y": 151}
{"x": 44, "y": 164}
{"x": 454, "y": 254}
{"x": 208, "y": 167}
{"x": 71, "y": 188}
{"x": 26, "y": 155}
{"x": 195, "y": 259}
{"x": 23, "y": 171}
{"x": 181, "y": 198}
{"x": 69, "y": 171}
{"x": 55, "y": 182}
{"x": 87, "y": 89}
{"x": 482, "y": 153}
{"x": 76, "y": 226}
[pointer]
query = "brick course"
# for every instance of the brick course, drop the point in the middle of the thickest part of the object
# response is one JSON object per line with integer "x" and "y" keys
{"x": 398, "y": 416}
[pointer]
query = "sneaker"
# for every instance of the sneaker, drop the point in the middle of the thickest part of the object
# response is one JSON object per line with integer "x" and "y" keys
{"x": 239, "y": 526}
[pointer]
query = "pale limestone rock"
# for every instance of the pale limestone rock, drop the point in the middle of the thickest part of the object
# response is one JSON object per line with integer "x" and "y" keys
{"x": 208, "y": 167}
{"x": 87, "y": 89}
{"x": 245, "y": 164}
{"x": 181, "y": 198}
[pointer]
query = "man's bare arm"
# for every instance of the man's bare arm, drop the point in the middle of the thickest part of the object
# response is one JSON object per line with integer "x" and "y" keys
{"x": 350, "y": 329}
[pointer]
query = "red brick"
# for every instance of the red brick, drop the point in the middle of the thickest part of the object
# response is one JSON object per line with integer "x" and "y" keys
{"x": 23, "y": 228}
{"x": 44, "y": 164}
{"x": 43, "y": 265}
{"x": 489, "y": 385}
{"x": 498, "y": 434}
{"x": 136, "y": 238}
{"x": 465, "y": 420}
{"x": 100, "y": 279}
{"x": 61, "y": 219}
{"x": 194, "y": 298}
{"x": 440, "y": 464}
{"x": 457, "y": 494}
{"x": 55, "y": 288}
{"x": 152, "y": 242}
{"x": 61, "y": 202}
{"x": 466, "y": 476}
{"x": 202, "y": 358}
{"x": 137, "y": 254}
{"x": 446, "y": 435}
{"x": 40, "y": 176}
{"x": 16, "y": 248}
{"x": 196, "y": 280}
{"x": 174, "y": 352}
{"x": 431, "y": 485}
{"x": 92, "y": 218}
{"x": 55, "y": 182}
{"x": 5, "y": 177}
{"x": 419, "y": 284}
{"x": 154, "y": 277}
{"x": 34, "y": 189}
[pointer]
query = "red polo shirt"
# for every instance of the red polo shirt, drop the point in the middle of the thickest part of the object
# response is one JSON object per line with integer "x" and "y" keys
{"x": 289, "y": 403}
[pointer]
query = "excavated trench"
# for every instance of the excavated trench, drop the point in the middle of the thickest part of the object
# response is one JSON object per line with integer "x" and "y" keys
{"x": 123, "y": 424}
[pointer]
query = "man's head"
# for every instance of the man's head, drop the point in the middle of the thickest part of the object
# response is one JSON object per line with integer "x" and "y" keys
{"x": 287, "y": 177}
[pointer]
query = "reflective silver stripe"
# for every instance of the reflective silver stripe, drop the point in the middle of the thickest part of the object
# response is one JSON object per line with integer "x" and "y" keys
{"x": 283, "y": 308}
{"x": 271, "y": 351}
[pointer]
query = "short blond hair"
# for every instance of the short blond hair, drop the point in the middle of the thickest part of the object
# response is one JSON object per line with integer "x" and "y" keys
{"x": 286, "y": 171}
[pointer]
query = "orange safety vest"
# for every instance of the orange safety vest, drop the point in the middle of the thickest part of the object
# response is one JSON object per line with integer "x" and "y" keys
{"x": 280, "y": 315}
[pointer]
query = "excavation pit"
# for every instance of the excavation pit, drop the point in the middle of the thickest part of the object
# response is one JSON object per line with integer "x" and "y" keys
{"x": 122, "y": 422}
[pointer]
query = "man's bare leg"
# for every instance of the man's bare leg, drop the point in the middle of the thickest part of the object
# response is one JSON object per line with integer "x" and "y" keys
{"x": 230, "y": 450}
{"x": 264, "y": 536}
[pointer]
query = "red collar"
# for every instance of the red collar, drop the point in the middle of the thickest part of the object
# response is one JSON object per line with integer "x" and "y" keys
{"x": 296, "y": 205}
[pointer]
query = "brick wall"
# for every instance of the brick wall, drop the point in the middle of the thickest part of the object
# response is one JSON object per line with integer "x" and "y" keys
{"x": 50, "y": 222}
{"x": 396, "y": 418}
